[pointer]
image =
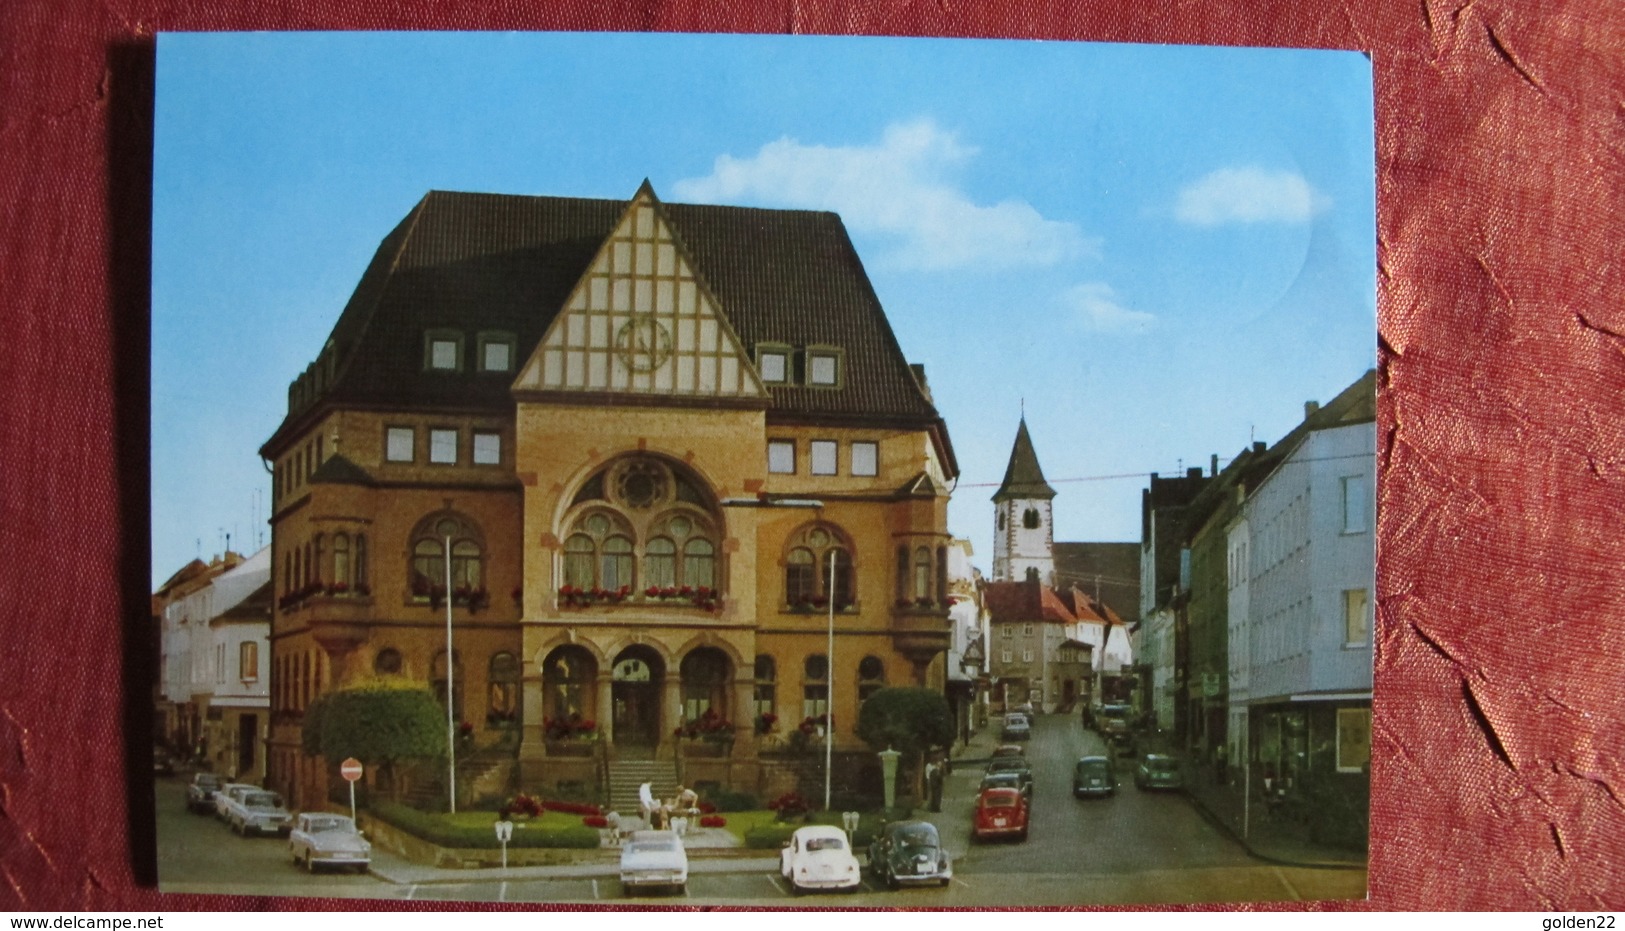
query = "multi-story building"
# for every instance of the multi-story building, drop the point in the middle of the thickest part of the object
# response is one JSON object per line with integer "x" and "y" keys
{"x": 649, "y": 458}
{"x": 1162, "y": 645}
{"x": 1302, "y": 564}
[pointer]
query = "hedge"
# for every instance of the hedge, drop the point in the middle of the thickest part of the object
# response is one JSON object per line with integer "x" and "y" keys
{"x": 564, "y": 832}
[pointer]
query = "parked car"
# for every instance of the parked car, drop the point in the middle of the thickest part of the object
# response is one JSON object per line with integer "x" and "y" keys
{"x": 1159, "y": 771}
{"x": 162, "y": 763}
{"x": 817, "y": 858}
{"x": 1001, "y": 811}
{"x": 1094, "y": 776}
{"x": 654, "y": 860}
{"x": 1017, "y": 765}
{"x": 1008, "y": 750}
{"x": 321, "y": 839}
{"x": 260, "y": 812}
{"x": 910, "y": 853}
{"x": 227, "y": 794}
{"x": 1017, "y": 726}
{"x": 200, "y": 792}
{"x": 1010, "y": 779}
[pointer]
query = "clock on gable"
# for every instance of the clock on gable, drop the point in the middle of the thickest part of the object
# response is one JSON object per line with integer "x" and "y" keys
{"x": 643, "y": 343}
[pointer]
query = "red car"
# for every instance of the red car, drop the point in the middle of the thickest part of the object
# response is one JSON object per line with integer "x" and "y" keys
{"x": 1000, "y": 812}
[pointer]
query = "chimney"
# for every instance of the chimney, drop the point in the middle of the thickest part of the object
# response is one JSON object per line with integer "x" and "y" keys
{"x": 1193, "y": 472}
{"x": 1309, "y": 408}
{"x": 1213, "y": 465}
{"x": 1259, "y": 446}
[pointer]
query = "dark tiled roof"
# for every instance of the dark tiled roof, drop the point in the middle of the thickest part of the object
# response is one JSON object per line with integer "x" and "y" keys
{"x": 1116, "y": 567}
{"x": 1022, "y": 477}
{"x": 498, "y": 262}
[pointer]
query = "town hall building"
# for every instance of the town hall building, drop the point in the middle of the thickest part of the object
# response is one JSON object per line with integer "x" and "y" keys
{"x": 651, "y": 454}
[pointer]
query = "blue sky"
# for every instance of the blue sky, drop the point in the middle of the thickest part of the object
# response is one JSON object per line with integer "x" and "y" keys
{"x": 1160, "y": 251}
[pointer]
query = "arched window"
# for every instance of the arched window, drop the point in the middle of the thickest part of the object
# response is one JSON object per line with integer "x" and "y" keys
{"x": 341, "y": 562}
{"x": 568, "y": 677}
{"x": 705, "y": 672}
{"x": 1029, "y": 518}
{"x": 503, "y": 683}
{"x": 641, "y": 524}
{"x": 360, "y": 583}
{"x": 942, "y": 575}
{"x": 660, "y": 563}
{"x": 815, "y": 686}
{"x": 615, "y": 567}
{"x": 1001, "y": 519}
{"x": 699, "y": 564}
{"x": 766, "y": 689}
{"x": 871, "y": 677}
{"x": 429, "y": 541}
{"x": 808, "y": 580}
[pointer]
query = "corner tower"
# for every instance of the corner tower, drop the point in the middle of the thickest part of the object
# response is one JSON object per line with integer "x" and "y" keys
{"x": 1023, "y": 537}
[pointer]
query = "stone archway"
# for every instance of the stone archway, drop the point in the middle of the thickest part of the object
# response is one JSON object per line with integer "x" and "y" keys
{"x": 637, "y": 679}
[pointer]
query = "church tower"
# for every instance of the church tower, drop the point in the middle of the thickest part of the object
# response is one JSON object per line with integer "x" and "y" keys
{"x": 1023, "y": 533}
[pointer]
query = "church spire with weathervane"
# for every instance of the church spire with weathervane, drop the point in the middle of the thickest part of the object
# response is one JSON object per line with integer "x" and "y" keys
{"x": 1023, "y": 537}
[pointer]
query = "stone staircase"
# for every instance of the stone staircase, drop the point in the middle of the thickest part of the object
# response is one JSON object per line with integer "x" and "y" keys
{"x": 485, "y": 772}
{"x": 626, "y": 775}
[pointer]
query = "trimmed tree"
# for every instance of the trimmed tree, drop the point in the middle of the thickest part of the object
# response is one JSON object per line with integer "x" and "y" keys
{"x": 908, "y": 720}
{"x": 381, "y": 722}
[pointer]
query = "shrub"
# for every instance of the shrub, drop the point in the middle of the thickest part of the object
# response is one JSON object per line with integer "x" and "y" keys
{"x": 769, "y": 836}
{"x": 790, "y": 806}
{"x": 438, "y": 830}
{"x": 735, "y": 801}
{"x": 713, "y": 821}
{"x": 595, "y": 821}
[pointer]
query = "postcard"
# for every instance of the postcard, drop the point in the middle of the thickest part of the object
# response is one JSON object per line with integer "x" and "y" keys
{"x": 763, "y": 471}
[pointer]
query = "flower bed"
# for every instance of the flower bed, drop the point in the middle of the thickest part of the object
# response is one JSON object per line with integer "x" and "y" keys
{"x": 473, "y": 831}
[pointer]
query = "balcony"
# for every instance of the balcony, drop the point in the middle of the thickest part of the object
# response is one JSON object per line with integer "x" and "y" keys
{"x": 920, "y": 629}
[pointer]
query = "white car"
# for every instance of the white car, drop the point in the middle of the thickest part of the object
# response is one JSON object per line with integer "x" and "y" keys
{"x": 259, "y": 812}
{"x": 654, "y": 860}
{"x": 226, "y": 795}
{"x": 819, "y": 858}
{"x": 321, "y": 839}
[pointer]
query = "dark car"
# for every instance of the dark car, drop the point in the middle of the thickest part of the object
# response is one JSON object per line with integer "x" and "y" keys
{"x": 1093, "y": 776}
{"x": 1016, "y": 727}
{"x": 162, "y": 763}
{"x": 910, "y": 853}
{"x": 1017, "y": 765}
{"x": 1008, "y": 750}
{"x": 200, "y": 792}
{"x": 1007, "y": 780}
{"x": 1159, "y": 771}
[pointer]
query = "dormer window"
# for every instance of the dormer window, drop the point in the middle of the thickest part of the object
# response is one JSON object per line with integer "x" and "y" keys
{"x": 773, "y": 361}
{"x": 496, "y": 352}
{"x": 824, "y": 367}
{"x": 443, "y": 351}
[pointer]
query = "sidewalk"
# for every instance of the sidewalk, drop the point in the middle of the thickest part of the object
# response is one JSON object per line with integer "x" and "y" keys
{"x": 1264, "y": 837}
{"x": 606, "y": 864}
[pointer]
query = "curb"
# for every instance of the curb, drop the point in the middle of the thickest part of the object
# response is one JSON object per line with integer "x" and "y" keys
{"x": 1253, "y": 851}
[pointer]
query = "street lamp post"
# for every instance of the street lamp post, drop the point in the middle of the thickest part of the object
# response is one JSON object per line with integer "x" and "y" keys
{"x": 451, "y": 691}
{"x": 829, "y": 680}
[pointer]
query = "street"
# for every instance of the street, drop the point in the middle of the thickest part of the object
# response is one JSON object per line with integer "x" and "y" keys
{"x": 1135, "y": 847}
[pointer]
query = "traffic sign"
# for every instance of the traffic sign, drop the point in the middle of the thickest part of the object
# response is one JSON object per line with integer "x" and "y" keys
{"x": 350, "y": 769}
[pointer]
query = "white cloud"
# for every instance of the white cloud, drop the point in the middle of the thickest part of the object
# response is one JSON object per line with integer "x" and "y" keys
{"x": 1094, "y": 306}
{"x": 895, "y": 188}
{"x": 1249, "y": 195}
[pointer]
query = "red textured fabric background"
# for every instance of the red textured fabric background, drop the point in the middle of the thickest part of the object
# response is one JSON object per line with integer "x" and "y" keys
{"x": 1500, "y": 726}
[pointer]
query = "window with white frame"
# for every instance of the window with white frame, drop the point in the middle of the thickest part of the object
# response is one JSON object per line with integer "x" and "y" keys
{"x": 823, "y": 368}
{"x": 496, "y": 352}
{"x": 823, "y": 457}
{"x": 399, "y": 443}
{"x": 443, "y": 351}
{"x": 248, "y": 661}
{"x": 443, "y": 446}
{"x": 1356, "y": 503}
{"x": 1004, "y": 656}
{"x": 1026, "y": 656}
{"x": 781, "y": 457}
{"x": 487, "y": 448}
{"x": 774, "y": 364}
{"x": 865, "y": 458}
{"x": 1356, "y": 623}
